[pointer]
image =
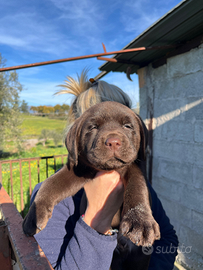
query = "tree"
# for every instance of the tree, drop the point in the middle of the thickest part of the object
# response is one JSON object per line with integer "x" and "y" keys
{"x": 10, "y": 88}
{"x": 45, "y": 133}
{"x": 24, "y": 107}
{"x": 48, "y": 109}
{"x": 65, "y": 108}
{"x": 57, "y": 137}
{"x": 34, "y": 109}
{"x": 57, "y": 108}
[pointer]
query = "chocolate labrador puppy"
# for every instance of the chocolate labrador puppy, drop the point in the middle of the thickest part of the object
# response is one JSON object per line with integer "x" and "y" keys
{"x": 108, "y": 136}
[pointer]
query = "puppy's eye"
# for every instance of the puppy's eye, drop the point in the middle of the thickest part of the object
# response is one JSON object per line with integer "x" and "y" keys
{"x": 93, "y": 127}
{"x": 128, "y": 126}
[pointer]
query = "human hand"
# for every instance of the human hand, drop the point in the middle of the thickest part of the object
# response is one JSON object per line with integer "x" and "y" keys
{"x": 104, "y": 197}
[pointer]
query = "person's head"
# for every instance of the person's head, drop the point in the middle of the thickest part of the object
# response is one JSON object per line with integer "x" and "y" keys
{"x": 89, "y": 93}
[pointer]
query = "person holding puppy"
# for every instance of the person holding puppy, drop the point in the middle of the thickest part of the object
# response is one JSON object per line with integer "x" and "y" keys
{"x": 79, "y": 233}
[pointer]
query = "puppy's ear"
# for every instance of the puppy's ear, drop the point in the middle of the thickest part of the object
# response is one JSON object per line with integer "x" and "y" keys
{"x": 72, "y": 140}
{"x": 144, "y": 138}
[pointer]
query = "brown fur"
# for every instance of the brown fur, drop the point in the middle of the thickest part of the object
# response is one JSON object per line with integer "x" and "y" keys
{"x": 108, "y": 136}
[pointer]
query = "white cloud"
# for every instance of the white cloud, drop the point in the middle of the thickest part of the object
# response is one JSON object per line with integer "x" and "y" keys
{"x": 138, "y": 15}
{"x": 10, "y": 40}
{"x": 76, "y": 29}
{"x": 34, "y": 33}
{"x": 77, "y": 9}
{"x": 80, "y": 17}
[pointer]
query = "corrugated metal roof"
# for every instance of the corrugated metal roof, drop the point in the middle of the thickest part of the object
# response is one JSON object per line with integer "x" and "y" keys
{"x": 181, "y": 24}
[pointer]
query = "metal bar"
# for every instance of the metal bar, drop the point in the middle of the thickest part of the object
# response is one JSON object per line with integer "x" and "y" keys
{"x": 17, "y": 160}
{"x": 47, "y": 167}
{"x": 47, "y": 157}
{"x": 27, "y": 252}
{"x": 21, "y": 190}
{"x": 27, "y": 159}
{"x": 54, "y": 164}
{"x": 104, "y": 47}
{"x": 30, "y": 180}
{"x": 107, "y": 59}
{"x": 11, "y": 174}
{"x": 38, "y": 171}
{"x": 86, "y": 57}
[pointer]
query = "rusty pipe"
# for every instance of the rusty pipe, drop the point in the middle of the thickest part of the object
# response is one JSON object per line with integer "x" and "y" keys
{"x": 86, "y": 57}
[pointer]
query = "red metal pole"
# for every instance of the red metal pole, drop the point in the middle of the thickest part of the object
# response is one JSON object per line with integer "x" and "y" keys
{"x": 21, "y": 189}
{"x": 107, "y": 59}
{"x": 30, "y": 181}
{"x": 86, "y": 56}
{"x": 11, "y": 174}
{"x": 38, "y": 171}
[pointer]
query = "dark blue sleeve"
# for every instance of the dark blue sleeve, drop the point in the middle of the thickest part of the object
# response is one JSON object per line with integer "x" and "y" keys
{"x": 69, "y": 243}
{"x": 165, "y": 249}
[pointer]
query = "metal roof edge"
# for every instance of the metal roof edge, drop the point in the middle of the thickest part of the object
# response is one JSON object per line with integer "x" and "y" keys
{"x": 151, "y": 27}
{"x": 157, "y": 22}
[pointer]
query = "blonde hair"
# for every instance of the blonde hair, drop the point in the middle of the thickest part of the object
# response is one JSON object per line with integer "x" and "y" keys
{"x": 88, "y": 94}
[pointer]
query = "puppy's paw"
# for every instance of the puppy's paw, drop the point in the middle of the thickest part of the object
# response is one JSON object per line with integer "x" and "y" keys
{"x": 36, "y": 219}
{"x": 140, "y": 227}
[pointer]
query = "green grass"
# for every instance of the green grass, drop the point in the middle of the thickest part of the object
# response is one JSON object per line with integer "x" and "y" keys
{"x": 32, "y": 126}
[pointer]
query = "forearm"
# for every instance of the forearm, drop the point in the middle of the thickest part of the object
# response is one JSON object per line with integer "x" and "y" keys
{"x": 104, "y": 197}
{"x": 137, "y": 189}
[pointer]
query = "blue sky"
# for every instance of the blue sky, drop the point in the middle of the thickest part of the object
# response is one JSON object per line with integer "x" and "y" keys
{"x": 41, "y": 30}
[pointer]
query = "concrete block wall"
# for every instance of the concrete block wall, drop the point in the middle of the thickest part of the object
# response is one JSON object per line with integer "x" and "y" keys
{"x": 176, "y": 92}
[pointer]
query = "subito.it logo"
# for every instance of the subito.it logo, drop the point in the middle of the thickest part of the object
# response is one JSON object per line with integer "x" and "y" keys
{"x": 147, "y": 250}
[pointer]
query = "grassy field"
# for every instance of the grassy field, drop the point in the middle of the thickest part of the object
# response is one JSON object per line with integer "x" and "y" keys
{"x": 32, "y": 127}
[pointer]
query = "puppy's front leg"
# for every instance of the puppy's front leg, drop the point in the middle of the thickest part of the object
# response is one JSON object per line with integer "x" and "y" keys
{"x": 54, "y": 189}
{"x": 138, "y": 223}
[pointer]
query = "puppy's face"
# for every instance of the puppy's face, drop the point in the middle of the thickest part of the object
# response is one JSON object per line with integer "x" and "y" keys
{"x": 107, "y": 136}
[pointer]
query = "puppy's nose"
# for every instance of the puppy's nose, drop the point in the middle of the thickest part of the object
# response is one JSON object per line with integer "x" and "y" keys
{"x": 113, "y": 143}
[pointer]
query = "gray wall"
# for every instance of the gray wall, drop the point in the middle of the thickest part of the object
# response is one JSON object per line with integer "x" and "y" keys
{"x": 176, "y": 92}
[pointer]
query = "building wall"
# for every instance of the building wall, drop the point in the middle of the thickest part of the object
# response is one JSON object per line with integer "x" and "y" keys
{"x": 174, "y": 93}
